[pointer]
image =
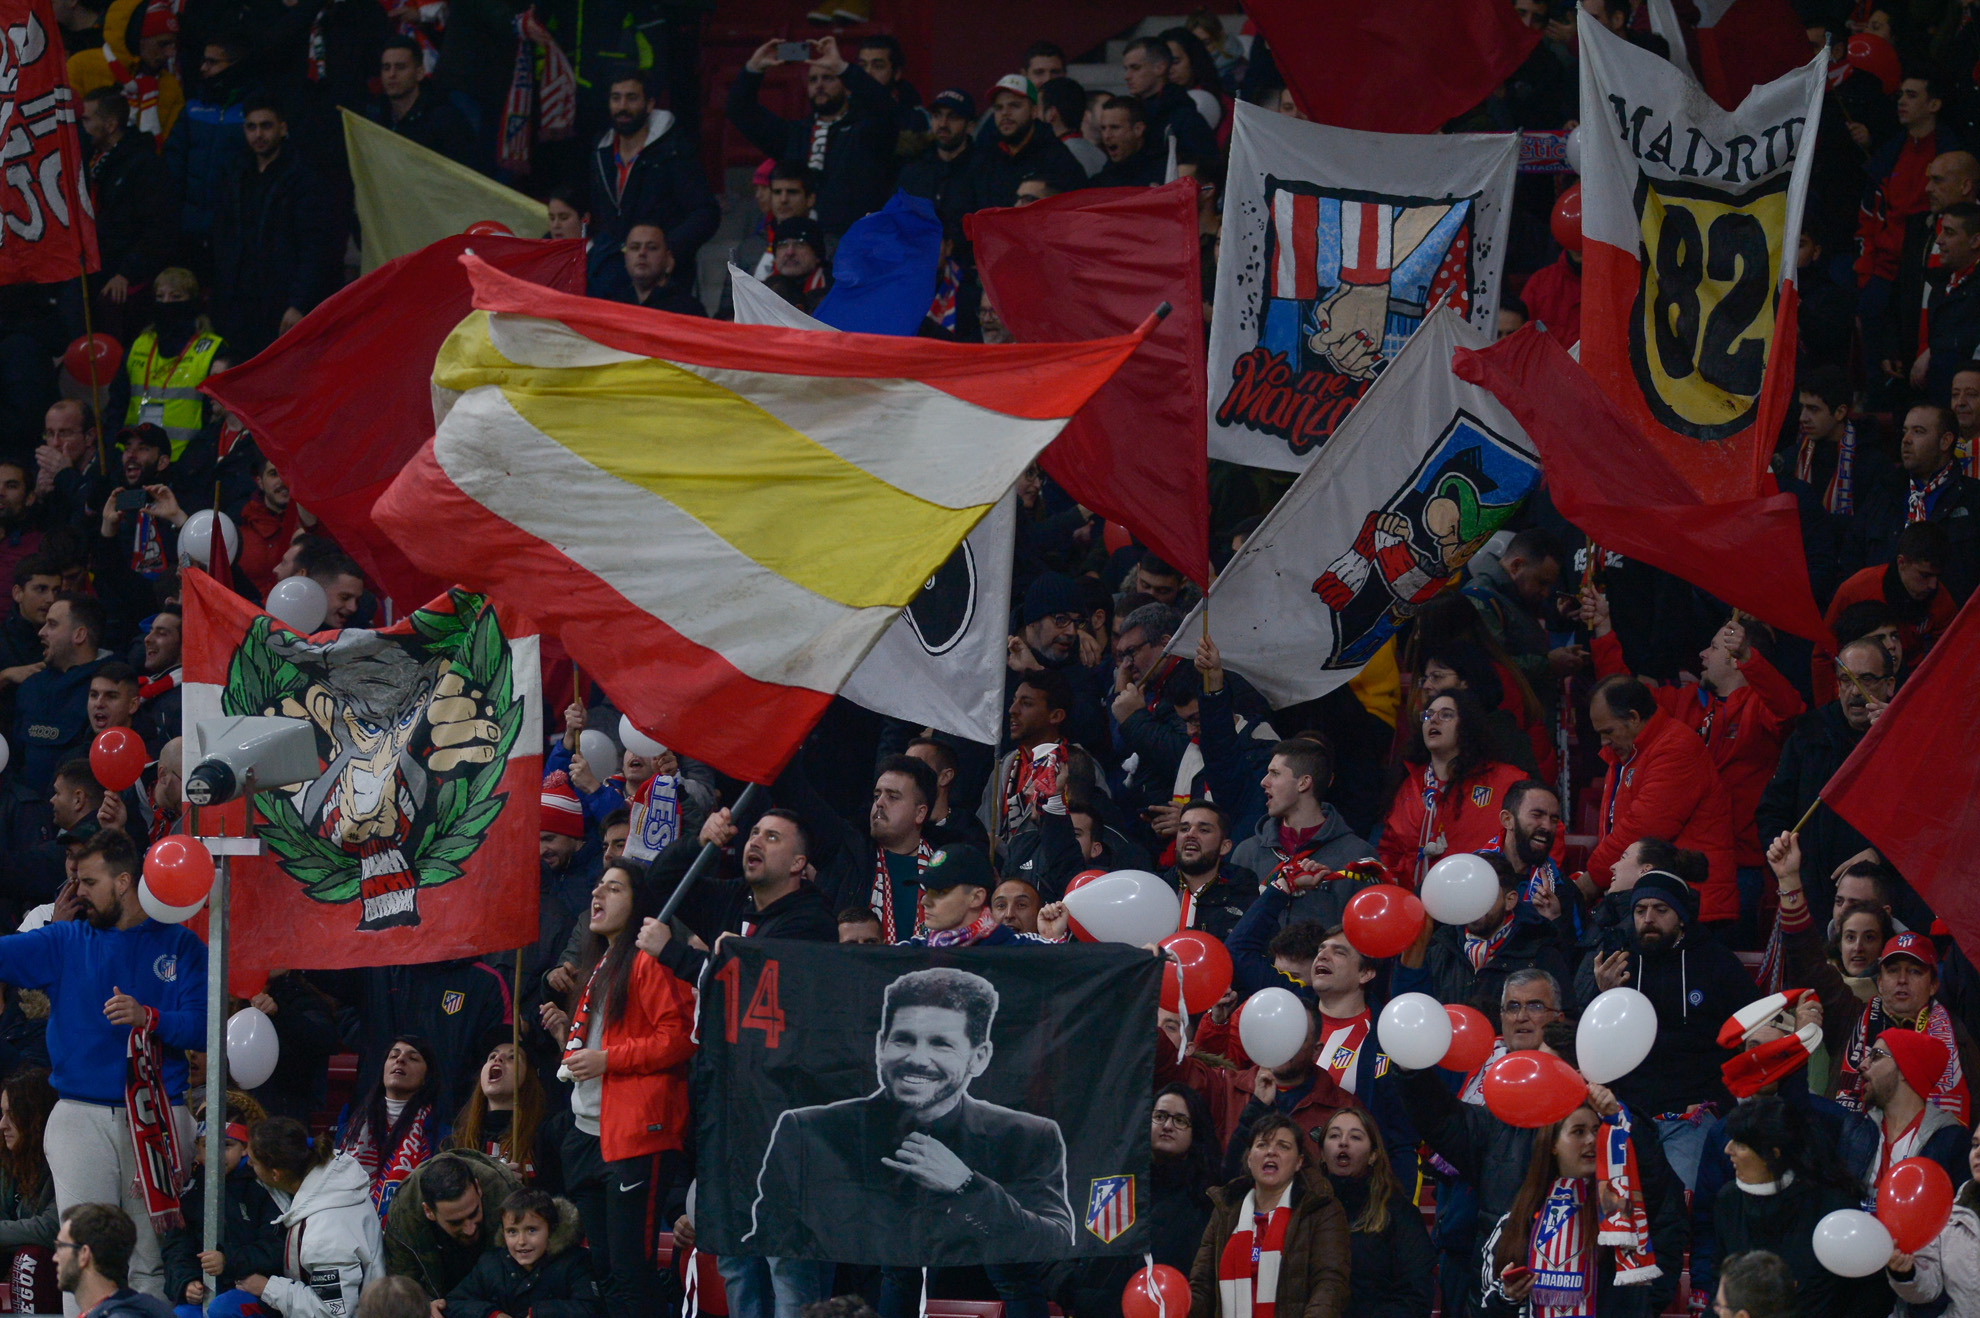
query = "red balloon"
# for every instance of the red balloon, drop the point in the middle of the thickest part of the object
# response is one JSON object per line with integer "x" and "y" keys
{"x": 1914, "y": 1202}
{"x": 1382, "y": 920}
{"x": 1530, "y": 1088}
{"x": 179, "y": 870}
{"x": 487, "y": 228}
{"x": 1206, "y": 971}
{"x": 1471, "y": 1040}
{"x": 117, "y": 758}
{"x": 1566, "y": 223}
{"x": 1115, "y": 537}
{"x": 1878, "y": 58}
{"x": 1080, "y": 880}
{"x": 104, "y": 350}
{"x": 1138, "y": 1300}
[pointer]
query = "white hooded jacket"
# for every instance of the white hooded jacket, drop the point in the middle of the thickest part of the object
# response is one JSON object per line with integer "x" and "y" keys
{"x": 333, "y": 1245}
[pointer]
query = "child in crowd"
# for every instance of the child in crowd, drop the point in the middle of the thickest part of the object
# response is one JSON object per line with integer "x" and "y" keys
{"x": 250, "y": 1242}
{"x": 538, "y": 1270}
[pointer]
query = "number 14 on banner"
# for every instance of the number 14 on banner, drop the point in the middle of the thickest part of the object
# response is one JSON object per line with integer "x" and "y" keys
{"x": 763, "y": 1013}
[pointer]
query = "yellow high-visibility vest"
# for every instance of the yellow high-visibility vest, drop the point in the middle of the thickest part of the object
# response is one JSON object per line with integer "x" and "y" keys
{"x": 165, "y": 390}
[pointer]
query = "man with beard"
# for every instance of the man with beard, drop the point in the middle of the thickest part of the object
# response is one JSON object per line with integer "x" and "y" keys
{"x": 941, "y": 172}
{"x": 1694, "y": 983}
{"x": 93, "y": 1252}
{"x": 772, "y": 899}
{"x": 646, "y": 170}
{"x": 1025, "y": 779}
{"x": 1471, "y": 963}
{"x": 159, "y": 686}
{"x": 126, "y": 996}
{"x": 1022, "y": 148}
{"x": 1897, "y": 1122}
{"x": 880, "y": 868}
{"x": 847, "y": 139}
{"x": 1215, "y": 894}
{"x": 918, "y": 1169}
{"x": 1530, "y": 815}
{"x": 268, "y": 523}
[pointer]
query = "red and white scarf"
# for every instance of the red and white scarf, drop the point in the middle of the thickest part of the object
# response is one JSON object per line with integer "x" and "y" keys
{"x": 1248, "y": 1269}
{"x": 580, "y": 1022}
{"x": 150, "y": 688}
{"x": 1918, "y": 496}
{"x": 1029, "y": 783}
{"x": 161, "y": 1163}
{"x": 1627, "y": 1226}
{"x": 550, "y": 117}
{"x": 140, "y": 89}
{"x": 1478, "y": 950}
{"x": 389, "y": 1173}
{"x": 975, "y": 931}
{"x": 883, "y": 892}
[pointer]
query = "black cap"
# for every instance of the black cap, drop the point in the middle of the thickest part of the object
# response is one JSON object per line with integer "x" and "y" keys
{"x": 955, "y": 865}
{"x": 803, "y": 229}
{"x": 955, "y": 98}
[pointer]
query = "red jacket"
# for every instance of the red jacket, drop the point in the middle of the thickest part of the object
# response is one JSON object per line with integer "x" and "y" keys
{"x": 643, "y": 1104}
{"x": 1668, "y": 788}
{"x": 1743, "y": 731}
{"x": 264, "y": 539}
{"x": 1869, "y": 585}
{"x": 1465, "y": 817}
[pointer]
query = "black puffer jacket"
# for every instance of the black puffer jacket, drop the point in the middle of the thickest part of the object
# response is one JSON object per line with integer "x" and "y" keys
{"x": 1393, "y": 1268}
{"x": 559, "y": 1286}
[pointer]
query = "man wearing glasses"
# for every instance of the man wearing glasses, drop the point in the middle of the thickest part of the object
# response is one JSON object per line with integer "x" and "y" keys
{"x": 93, "y": 1264}
{"x": 1865, "y": 682}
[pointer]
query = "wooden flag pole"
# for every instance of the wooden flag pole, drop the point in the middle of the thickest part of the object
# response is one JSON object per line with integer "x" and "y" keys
{"x": 1803, "y": 821}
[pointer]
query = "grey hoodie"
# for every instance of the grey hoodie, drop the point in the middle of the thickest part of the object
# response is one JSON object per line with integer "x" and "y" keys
{"x": 1333, "y": 846}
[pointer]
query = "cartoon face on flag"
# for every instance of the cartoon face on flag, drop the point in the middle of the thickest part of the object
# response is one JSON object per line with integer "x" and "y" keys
{"x": 417, "y": 840}
{"x": 1348, "y": 280}
{"x": 1466, "y": 487}
{"x": 1336, "y": 246}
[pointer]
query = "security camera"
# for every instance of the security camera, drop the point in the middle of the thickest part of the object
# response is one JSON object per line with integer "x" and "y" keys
{"x": 238, "y": 756}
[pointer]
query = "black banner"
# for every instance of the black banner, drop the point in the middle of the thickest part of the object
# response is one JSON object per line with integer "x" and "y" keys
{"x": 922, "y": 1108}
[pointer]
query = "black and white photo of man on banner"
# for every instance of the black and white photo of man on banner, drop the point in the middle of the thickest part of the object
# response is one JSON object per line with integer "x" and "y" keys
{"x": 966, "y": 1135}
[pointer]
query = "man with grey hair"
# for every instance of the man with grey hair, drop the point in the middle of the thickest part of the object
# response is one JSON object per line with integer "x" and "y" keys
{"x": 918, "y": 1169}
{"x": 1148, "y": 716}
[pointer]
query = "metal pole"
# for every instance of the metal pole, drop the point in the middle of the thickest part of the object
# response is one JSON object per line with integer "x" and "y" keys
{"x": 706, "y": 859}
{"x": 216, "y": 1060}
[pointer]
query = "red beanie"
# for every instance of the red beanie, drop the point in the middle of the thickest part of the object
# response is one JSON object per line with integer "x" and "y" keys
{"x": 562, "y": 812}
{"x": 159, "y": 20}
{"x": 1921, "y": 1059}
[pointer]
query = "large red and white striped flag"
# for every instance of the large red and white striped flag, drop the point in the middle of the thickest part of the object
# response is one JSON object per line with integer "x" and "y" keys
{"x": 718, "y": 520}
{"x": 1689, "y": 215}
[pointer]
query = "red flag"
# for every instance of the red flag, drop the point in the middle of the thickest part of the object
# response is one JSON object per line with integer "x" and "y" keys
{"x": 1914, "y": 798}
{"x": 1617, "y": 486}
{"x": 47, "y": 230}
{"x": 345, "y": 399}
{"x": 1092, "y": 264}
{"x": 418, "y": 842}
{"x": 1396, "y": 66}
{"x": 1749, "y": 42}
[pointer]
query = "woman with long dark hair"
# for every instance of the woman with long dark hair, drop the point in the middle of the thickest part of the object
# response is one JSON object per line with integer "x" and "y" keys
{"x": 1393, "y": 1260}
{"x": 504, "y": 1118}
{"x": 28, "y": 1220}
{"x": 1192, "y": 68}
{"x": 397, "y": 1124}
{"x": 1182, "y": 1140}
{"x": 1277, "y": 1239}
{"x": 1544, "y": 1255}
{"x": 1785, "y": 1180}
{"x": 1451, "y": 790}
{"x": 629, "y": 1038}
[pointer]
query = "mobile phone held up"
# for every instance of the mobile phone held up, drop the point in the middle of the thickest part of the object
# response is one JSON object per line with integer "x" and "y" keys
{"x": 793, "y": 52}
{"x": 130, "y": 501}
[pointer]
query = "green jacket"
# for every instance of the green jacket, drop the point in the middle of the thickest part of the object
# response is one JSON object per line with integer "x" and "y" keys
{"x": 413, "y": 1242}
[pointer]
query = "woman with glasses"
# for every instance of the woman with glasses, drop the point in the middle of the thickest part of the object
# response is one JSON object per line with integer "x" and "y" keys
{"x": 1448, "y": 800}
{"x": 1948, "y": 1267}
{"x": 1785, "y": 1180}
{"x": 1393, "y": 1262}
{"x": 1183, "y": 1144}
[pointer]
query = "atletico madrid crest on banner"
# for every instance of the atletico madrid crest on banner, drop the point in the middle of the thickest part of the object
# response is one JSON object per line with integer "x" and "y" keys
{"x": 416, "y": 841}
{"x": 1110, "y": 1207}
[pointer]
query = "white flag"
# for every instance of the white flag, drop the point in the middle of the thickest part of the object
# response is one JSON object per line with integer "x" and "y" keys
{"x": 1335, "y": 245}
{"x": 941, "y": 664}
{"x": 1420, "y": 476}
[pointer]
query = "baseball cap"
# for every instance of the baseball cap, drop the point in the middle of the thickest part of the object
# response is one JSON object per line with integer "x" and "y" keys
{"x": 957, "y": 865}
{"x": 1013, "y": 82}
{"x": 1916, "y": 946}
{"x": 805, "y": 230}
{"x": 763, "y": 171}
{"x": 955, "y": 98}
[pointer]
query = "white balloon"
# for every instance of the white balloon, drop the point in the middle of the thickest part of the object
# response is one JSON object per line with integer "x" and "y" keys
{"x": 162, "y": 913}
{"x": 1852, "y": 1243}
{"x": 1271, "y": 1025}
{"x": 1459, "y": 889}
{"x": 1414, "y": 1030}
{"x": 1127, "y": 906}
{"x": 636, "y": 741}
{"x": 1615, "y": 1035}
{"x": 299, "y": 602}
{"x": 689, "y": 1212}
{"x": 1574, "y": 149}
{"x": 598, "y": 752}
{"x": 252, "y": 1048}
{"x": 196, "y": 537}
{"x": 5, "y": 754}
